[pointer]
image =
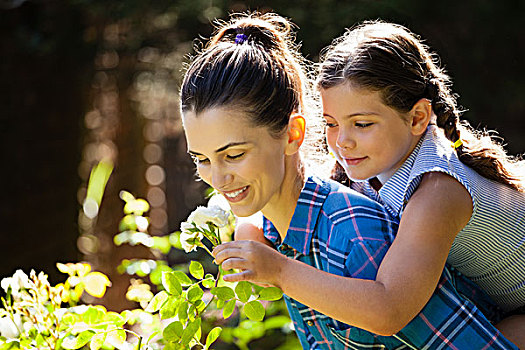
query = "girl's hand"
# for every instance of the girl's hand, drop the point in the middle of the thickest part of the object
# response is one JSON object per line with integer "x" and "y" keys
{"x": 258, "y": 262}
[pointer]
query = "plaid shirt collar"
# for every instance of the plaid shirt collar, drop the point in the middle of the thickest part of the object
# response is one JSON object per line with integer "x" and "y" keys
{"x": 304, "y": 219}
{"x": 390, "y": 194}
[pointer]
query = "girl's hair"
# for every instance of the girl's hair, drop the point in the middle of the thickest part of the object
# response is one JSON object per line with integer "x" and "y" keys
{"x": 390, "y": 59}
{"x": 250, "y": 63}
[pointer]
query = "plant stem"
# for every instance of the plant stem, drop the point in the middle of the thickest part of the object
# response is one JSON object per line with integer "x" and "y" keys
{"x": 215, "y": 285}
{"x": 206, "y": 248}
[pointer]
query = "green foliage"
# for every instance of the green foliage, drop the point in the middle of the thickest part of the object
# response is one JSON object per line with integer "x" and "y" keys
{"x": 43, "y": 316}
{"x": 53, "y": 317}
{"x": 186, "y": 293}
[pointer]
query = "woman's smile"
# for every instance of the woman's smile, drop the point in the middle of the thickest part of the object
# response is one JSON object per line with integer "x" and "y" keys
{"x": 236, "y": 195}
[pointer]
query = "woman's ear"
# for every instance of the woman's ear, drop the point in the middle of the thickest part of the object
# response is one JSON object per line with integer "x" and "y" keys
{"x": 420, "y": 115}
{"x": 295, "y": 133}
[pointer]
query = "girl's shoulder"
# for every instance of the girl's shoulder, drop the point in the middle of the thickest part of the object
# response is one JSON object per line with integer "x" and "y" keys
{"x": 433, "y": 154}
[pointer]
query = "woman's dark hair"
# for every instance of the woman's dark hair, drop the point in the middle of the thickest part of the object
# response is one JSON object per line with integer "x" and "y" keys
{"x": 388, "y": 58}
{"x": 251, "y": 64}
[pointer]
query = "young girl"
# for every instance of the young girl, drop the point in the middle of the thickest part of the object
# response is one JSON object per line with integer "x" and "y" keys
{"x": 243, "y": 102}
{"x": 393, "y": 125}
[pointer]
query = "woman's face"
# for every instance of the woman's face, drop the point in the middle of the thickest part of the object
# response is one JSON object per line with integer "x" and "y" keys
{"x": 368, "y": 138}
{"x": 242, "y": 162}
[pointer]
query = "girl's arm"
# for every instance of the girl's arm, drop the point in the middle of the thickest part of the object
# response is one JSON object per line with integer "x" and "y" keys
{"x": 411, "y": 269}
{"x": 406, "y": 278}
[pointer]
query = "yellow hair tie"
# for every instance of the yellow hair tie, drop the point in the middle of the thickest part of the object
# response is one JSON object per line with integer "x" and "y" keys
{"x": 457, "y": 144}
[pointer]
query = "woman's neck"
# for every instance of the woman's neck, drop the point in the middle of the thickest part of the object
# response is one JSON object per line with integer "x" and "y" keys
{"x": 281, "y": 209}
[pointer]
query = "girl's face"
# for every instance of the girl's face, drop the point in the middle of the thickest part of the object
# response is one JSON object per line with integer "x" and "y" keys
{"x": 368, "y": 138}
{"x": 242, "y": 162}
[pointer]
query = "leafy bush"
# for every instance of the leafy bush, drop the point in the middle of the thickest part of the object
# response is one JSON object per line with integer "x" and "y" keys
{"x": 191, "y": 310}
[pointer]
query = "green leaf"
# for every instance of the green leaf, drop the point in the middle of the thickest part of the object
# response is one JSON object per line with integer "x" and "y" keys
{"x": 243, "y": 291}
{"x": 93, "y": 315}
{"x": 156, "y": 303}
{"x": 173, "y": 331}
{"x": 257, "y": 288}
{"x": 194, "y": 293}
{"x": 270, "y": 293}
{"x": 40, "y": 340}
{"x": 254, "y": 310}
{"x": 224, "y": 293}
{"x": 171, "y": 283}
{"x": 115, "y": 318}
{"x": 170, "y": 307}
{"x": 220, "y": 304}
{"x": 208, "y": 281}
{"x": 196, "y": 270}
{"x": 190, "y": 331}
{"x": 79, "y": 341}
{"x": 69, "y": 319}
{"x": 183, "y": 278}
{"x": 183, "y": 311}
{"x": 212, "y": 336}
{"x": 97, "y": 341}
{"x": 200, "y": 305}
{"x": 175, "y": 346}
{"x": 228, "y": 308}
{"x": 156, "y": 275}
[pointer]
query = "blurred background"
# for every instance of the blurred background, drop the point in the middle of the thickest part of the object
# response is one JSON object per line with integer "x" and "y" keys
{"x": 86, "y": 80}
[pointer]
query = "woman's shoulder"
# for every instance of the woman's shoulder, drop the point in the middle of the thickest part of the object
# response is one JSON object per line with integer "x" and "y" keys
{"x": 343, "y": 203}
{"x": 338, "y": 195}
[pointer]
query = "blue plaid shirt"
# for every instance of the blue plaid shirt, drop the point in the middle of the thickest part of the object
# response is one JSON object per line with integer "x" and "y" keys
{"x": 345, "y": 233}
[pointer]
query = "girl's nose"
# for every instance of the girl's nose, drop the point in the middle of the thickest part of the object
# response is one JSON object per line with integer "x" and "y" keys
{"x": 344, "y": 140}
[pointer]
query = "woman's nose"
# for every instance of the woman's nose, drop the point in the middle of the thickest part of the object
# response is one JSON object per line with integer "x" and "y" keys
{"x": 221, "y": 176}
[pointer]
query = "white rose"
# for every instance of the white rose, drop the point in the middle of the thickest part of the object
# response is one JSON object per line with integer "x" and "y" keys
{"x": 17, "y": 282}
{"x": 214, "y": 214}
{"x": 190, "y": 240}
{"x": 8, "y": 328}
{"x": 220, "y": 201}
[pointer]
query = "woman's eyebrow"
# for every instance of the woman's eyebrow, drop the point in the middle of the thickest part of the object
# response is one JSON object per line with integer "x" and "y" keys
{"x": 357, "y": 114}
{"x": 220, "y": 149}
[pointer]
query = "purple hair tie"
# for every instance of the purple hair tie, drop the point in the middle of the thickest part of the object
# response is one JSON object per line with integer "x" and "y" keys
{"x": 240, "y": 38}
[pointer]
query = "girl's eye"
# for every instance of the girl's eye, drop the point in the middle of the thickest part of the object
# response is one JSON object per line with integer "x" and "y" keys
{"x": 235, "y": 156}
{"x": 363, "y": 124}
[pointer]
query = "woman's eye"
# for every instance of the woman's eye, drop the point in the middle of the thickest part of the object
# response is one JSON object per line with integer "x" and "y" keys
{"x": 363, "y": 124}
{"x": 198, "y": 160}
{"x": 330, "y": 124}
{"x": 235, "y": 156}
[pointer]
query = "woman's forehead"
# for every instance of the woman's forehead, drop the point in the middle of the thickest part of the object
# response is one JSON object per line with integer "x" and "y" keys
{"x": 215, "y": 128}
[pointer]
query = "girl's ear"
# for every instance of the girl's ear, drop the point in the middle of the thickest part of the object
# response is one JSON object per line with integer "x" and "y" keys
{"x": 420, "y": 115}
{"x": 295, "y": 133}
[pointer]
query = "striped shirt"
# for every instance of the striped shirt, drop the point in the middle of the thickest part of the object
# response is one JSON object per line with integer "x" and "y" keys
{"x": 345, "y": 233}
{"x": 490, "y": 249}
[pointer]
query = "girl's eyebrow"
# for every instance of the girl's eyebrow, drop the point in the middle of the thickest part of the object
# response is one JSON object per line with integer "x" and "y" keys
{"x": 220, "y": 149}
